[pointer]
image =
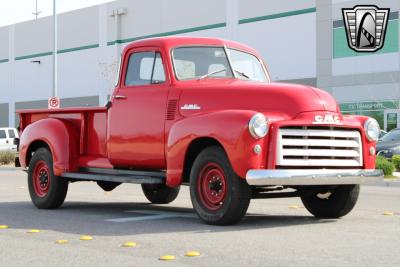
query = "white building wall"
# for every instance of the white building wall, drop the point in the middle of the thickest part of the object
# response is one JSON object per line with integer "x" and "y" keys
{"x": 366, "y": 64}
{"x": 33, "y": 37}
{"x": 4, "y": 43}
{"x": 78, "y": 29}
{"x": 289, "y": 54}
{"x": 364, "y": 93}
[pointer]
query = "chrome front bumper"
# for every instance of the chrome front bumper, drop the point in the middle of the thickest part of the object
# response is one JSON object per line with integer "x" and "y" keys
{"x": 312, "y": 177}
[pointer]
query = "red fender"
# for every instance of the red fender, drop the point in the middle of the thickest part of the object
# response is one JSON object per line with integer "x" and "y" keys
{"x": 229, "y": 128}
{"x": 358, "y": 122}
{"x": 60, "y": 136}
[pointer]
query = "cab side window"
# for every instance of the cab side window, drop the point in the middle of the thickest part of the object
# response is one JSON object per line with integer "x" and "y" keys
{"x": 145, "y": 68}
{"x": 3, "y": 134}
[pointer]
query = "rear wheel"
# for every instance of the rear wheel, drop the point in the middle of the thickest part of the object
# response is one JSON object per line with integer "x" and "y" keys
{"x": 218, "y": 195}
{"x": 160, "y": 194}
{"x": 334, "y": 203}
{"x": 46, "y": 190}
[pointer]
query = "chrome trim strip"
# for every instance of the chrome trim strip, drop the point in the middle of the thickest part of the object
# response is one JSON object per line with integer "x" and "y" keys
{"x": 312, "y": 177}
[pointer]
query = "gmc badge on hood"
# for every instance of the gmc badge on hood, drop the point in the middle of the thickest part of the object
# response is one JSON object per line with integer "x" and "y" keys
{"x": 327, "y": 119}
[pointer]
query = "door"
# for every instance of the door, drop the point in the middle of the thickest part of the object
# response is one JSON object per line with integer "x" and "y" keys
{"x": 391, "y": 119}
{"x": 3, "y": 140}
{"x": 137, "y": 113}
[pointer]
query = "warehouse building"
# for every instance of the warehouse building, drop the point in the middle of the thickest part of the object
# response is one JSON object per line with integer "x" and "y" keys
{"x": 301, "y": 41}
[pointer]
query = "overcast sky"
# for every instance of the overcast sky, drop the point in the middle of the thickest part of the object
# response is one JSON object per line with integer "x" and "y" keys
{"x": 14, "y": 11}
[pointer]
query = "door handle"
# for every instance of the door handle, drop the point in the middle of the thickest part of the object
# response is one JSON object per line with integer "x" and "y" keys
{"x": 120, "y": 97}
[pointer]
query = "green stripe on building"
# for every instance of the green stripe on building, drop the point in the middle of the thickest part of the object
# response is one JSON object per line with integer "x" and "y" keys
{"x": 187, "y": 30}
{"x": 4, "y": 60}
{"x": 34, "y": 55}
{"x": 279, "y": 15}
{"x": 61, "y": 51}
{"x": 77, "y": 48}
{"x": 341, "y": 48}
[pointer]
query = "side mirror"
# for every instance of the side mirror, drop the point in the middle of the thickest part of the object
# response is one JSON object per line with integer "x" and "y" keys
{"x": 108, "y": 105}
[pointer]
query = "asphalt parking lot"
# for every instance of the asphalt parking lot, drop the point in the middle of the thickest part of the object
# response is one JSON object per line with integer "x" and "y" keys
{"x": 275, "y": 232}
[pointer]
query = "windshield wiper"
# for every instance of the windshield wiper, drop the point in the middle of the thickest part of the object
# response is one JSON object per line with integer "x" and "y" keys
{"x": 243, "y": 74}
{"x": 211, "y": 73}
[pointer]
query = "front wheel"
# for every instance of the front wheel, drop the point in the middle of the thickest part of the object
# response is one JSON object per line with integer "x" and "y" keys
{"x": 218, "y": 195}
{"x": 47, "y": 191}
{"x": 333, "y": 203}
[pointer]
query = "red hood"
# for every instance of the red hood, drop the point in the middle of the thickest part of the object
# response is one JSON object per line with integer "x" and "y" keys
{"x": 287, "y": 100}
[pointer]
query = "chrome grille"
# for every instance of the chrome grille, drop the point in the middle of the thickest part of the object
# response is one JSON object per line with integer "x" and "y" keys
{"x": 319, "y": 147}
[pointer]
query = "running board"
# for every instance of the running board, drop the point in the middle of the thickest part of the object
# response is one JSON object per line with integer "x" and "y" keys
{"x": 117, "y": 176}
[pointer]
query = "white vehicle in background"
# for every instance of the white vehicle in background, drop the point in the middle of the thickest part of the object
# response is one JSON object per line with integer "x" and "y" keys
{"x": 7, "y": 136}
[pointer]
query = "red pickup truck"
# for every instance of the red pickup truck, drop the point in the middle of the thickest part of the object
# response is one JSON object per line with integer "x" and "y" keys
{"x": 203, "y": 112}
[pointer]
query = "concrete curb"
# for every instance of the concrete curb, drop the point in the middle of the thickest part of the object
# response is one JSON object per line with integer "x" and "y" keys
{"x": 3, "y": 168}
{"x": 394, "y": 182}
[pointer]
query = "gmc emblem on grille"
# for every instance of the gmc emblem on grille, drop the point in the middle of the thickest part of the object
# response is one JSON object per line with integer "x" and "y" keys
{"x": 327, "y": 119}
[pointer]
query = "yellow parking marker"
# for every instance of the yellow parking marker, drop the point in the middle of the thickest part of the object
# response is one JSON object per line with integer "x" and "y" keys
{"x": 86, "y": 238}
{"x": 192, "y": 254}
{"x": 62, "y": 241}
{"x": 388, "y": 213}
{"x": 33, "y": 231}
{"x": 294, "y": 207}
{"x": 167, "y": 258}
{"x": 4, "y": 226}
{"x": 129, "y": 245}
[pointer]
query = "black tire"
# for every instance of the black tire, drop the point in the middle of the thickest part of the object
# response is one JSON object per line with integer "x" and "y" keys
{"x": 335, "y": 204}
{"x": 50, "y": 194}
{"x": 160, "y": 194}
{"x": 218, "y": 195}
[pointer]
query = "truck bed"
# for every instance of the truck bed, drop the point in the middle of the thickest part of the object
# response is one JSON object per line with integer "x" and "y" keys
{"x": 89, "y": 122}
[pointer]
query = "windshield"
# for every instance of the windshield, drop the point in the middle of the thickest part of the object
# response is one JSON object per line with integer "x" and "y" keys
{"x": 213, "y": 62}
{"x": 393, "y": 135}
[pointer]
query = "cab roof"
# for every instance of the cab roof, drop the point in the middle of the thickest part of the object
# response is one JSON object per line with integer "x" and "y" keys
{"x": 171, "y": 42}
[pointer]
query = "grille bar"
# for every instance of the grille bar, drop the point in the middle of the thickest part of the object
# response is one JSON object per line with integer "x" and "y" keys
{"x": 319, "y": 133}
{"x": 319, "y": 147}
{"x": 319, "y": 142}
{"x": 319, "y": 152}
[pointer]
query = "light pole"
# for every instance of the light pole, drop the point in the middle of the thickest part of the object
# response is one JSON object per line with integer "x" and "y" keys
{"x": 55, "y": 89}
{"x": 36, "y": 13}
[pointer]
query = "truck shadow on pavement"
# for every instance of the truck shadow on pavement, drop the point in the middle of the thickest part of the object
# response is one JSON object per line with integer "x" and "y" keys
{"x": 119, "y": 219}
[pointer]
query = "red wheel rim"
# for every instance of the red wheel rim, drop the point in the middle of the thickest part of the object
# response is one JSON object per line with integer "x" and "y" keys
{"x": 211, "y": 186}
{"x": 41, "y": 178}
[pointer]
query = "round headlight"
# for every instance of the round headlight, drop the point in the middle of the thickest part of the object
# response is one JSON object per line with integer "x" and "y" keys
{"x": 372, "y": 129}
{"x": 258, "y": 126}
